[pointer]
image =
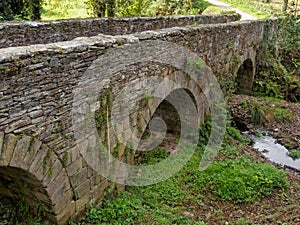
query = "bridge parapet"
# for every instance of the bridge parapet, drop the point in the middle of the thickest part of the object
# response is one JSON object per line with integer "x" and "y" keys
{"x": 29, "y": 33}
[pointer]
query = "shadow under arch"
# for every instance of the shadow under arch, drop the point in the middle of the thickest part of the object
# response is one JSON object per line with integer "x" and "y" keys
{"x": 172, "y": 117}
{"x": 168, "y": 113}
{"x": 19, "y": 185}
{"x": 31, "y": 172}
{"x": 245, "y": 77}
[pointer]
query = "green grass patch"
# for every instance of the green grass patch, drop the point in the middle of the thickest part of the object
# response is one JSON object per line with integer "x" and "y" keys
{"x": 65, "y": 9}
{"x": 241, "y": 180}
{"x": 294, "y": 153}
{"x": 259, "y": 9}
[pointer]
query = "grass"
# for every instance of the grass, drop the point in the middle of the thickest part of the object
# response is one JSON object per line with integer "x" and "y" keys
{"x": 294, "y": 153}
{"x": 258, "y": 8}
{"x": 216, "y": 10}
{"x": 65, "y": 9}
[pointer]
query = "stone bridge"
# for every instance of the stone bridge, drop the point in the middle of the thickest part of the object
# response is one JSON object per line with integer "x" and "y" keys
{"x": 43, "y": 64}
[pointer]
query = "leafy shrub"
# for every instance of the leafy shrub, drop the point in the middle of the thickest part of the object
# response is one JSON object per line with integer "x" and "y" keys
{"x": 12, "y": 9}
{"x": 152, "y": 157}
{"x": 236, "y": 134}
{"x": 124, "y": 209}
{"x": 123, "y": 8}
{"x": 282, "y": 115}
{"x": 241, "y": 180}
{"x": 294, "y": 153}
{"x": 257, "y": 113}
{"x": 278, "y": 74}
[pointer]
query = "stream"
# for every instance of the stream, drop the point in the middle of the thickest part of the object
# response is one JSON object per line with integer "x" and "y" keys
{"x": 274, "y": 151}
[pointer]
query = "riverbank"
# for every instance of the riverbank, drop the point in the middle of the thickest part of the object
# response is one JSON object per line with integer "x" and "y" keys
{"x": 281, "y": 119}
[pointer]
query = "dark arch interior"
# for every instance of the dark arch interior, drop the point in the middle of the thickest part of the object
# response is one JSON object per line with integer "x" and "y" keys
{"x": 20, "y": 187}
{"x": 244, "y": 78}
{"x": 168, "y": 113}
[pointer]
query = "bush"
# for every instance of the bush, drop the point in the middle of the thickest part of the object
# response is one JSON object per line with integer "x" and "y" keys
{"x": 279, "y": 72}
{"x": 12, "y": 9}
{"x": 241, "y": 180}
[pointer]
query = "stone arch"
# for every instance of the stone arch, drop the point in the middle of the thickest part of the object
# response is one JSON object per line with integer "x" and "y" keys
{"x": 245, "y": 77}
{"x": 30, "y": 170}
{"x": 168, "y": 113}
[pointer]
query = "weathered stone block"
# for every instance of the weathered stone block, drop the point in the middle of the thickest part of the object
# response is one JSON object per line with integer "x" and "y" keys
{"x": 8, "y": 149}
{"x": 34, "y": 146}
{"x": 82, "y": 189}
{"x": 53, "y": 171}
{"x": 58, "y": 187}
{"x": 18, "y": 124}
{"x": 39, "y": 159}
{"x": 74, "y": 167}
{"x": 79, "y": 177}
{"x": 63, "y": 202}
{"x": 1, "y": 140}
{"x": 20, "y": 151}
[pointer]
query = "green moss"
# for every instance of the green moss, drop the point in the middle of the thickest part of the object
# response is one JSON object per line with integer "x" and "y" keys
{"x": 64, "y": 160}
{"x": 46, "y": 160}
{"x": 196, "y": 63}
{"x": 145, "y": 100}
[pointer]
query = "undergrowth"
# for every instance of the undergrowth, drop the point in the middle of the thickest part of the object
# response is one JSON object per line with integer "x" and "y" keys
{"x": 279, "y": 71}
{"x": 235, "y": 178}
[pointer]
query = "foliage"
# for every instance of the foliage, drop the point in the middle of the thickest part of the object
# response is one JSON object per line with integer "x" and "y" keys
{"x": 294, "y": 153}
{"x": 279, "y": 72}
{"x": 57, "y": 9}
{"x": 152, "y": 157}
{"x": 240, "y": 180}
{"x": 271, "y": 112}
{"x": 10, "y": 8}
{"x": 121, "y": 8}
{"x": 17, "y": 211}
{"x": 262, "y": 8}
{"x": 282, "y": 115}
{"x": 13, "y": 9}
{"x": 124, "y": 209}
{"x": 236, "y": 134}
{"x": 257, "y": 113}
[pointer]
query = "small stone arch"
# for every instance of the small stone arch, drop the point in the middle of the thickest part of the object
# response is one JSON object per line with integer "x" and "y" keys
{"x": 31, "y": 171}
{"x": 168, "y": 113}
{"x": 245, "y": 77}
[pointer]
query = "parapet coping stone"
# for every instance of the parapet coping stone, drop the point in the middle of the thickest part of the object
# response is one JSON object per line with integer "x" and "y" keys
{"x": 81, "y": 44}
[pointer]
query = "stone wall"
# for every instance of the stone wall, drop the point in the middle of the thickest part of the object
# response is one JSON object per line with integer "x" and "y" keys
{"x": 37, "y": 86}
{"x": 28, "y": 33}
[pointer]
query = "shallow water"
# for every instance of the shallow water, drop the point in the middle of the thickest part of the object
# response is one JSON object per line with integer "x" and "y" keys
{"x": 274, "y": 151}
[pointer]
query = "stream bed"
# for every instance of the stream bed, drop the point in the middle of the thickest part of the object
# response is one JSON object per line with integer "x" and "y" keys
{"x": 274, "y": 151}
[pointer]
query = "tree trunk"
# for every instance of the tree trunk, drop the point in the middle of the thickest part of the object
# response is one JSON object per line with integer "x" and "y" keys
{"x": 111, "y": 8}
{"x": 35, "y": 10}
